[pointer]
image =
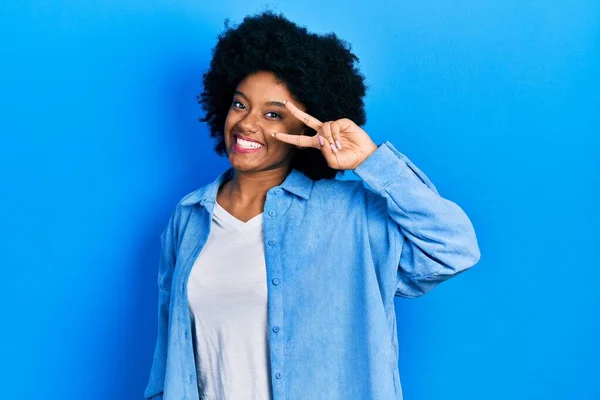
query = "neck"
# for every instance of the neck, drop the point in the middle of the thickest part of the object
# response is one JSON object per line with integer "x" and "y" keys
{"x": 248, "y": 189}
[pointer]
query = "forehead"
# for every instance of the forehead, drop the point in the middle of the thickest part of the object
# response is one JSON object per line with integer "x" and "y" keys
{"x": 264, "y": 86}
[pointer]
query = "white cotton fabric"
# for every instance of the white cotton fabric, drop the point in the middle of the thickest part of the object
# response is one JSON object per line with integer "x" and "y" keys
{"x": 227, "y": 295}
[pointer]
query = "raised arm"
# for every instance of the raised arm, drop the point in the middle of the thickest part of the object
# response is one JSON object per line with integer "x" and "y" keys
{"x": 438, "y": 238}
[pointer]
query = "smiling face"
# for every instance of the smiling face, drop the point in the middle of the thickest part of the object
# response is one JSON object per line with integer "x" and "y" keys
{"x": 256, "y": 111}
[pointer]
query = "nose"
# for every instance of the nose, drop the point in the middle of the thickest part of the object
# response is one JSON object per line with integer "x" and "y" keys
{"x": 249, "y": 123}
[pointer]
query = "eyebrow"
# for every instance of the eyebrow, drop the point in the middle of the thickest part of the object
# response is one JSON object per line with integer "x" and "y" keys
{"x": 269, "y": 103}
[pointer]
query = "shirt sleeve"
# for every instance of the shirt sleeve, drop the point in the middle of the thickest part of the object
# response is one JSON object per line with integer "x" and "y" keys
{"x": 437, "y": 239}
{"x": 155, "y": 386}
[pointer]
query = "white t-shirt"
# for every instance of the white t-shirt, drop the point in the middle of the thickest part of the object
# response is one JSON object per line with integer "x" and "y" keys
{"x": 227, "y": 295}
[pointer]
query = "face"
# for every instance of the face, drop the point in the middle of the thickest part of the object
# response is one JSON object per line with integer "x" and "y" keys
{"x": 253, "y": 115}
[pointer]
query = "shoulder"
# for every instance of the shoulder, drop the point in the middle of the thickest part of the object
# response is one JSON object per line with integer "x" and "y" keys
{"x": 208, "y": 191}
{"x": 181, "y": 211}
{"x": 349, "y": 195}
{"x": 339, "y": 187}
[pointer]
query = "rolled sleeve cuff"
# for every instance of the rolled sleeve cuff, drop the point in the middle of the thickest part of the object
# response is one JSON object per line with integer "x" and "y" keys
{"x": 381, "y": 168}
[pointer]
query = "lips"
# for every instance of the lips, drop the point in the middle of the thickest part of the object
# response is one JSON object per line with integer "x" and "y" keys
{"x": 245, "y": 145}
{"x": 249, "y": 139}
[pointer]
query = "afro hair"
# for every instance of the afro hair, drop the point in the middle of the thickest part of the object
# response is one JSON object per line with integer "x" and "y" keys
{"x": 318, "y": 70}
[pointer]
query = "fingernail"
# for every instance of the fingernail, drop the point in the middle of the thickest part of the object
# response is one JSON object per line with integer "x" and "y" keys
{"x": 338, "y": 144}
{"x": 272, "y": 134}
{"x": 321, "y": 141}
{"x": 333, "y": 148}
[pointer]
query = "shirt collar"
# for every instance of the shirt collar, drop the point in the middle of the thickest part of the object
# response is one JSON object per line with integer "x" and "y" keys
{"x": 296, "y": 182}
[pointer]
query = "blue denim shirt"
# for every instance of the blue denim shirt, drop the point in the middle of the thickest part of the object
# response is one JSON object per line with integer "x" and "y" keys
{"x": 337, "y": 252}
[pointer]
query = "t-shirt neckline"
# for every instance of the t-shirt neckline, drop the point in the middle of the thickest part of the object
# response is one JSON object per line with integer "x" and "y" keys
{"x": 225, "y": 217}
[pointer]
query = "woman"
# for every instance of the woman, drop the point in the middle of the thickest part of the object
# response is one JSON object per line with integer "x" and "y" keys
{"x": 276, "y": 280}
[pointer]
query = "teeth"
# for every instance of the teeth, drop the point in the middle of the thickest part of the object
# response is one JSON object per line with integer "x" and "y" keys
{"x": 247, "y": 144}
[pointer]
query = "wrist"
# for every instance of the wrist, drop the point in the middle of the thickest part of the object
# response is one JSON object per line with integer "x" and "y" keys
{"x": 370, "y": 150}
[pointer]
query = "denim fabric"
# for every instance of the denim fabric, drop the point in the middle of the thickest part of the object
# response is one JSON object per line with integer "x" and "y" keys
{"x": 337, "y": 252}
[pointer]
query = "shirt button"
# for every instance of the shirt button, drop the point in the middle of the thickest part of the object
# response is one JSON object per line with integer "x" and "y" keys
{"x": 277, "y": 191}
{"x": 278, "y": 375}
{"x": 185, "y": 334}
{"x": 271, "y": 242}
{"x": 191, "y": 378}
{"x": 272, "y": 213}
{"x": 275, "y": 281}
{"x": 275, "y": 329}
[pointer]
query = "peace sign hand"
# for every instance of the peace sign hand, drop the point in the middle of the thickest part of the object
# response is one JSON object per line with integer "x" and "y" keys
{"x": 343, "y": 143}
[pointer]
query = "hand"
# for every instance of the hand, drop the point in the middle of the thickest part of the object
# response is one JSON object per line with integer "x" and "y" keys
{"x": 343, "y": 143}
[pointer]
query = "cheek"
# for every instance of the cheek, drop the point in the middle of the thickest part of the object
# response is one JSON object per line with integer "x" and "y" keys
{"x": 282, "y": 150}
{"x": 228, "y": 120}
{"x": 284, "y": 147}
{"x": 229, "y": 123}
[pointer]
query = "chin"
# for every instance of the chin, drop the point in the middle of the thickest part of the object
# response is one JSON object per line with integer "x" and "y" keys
{"x": 242, "y": 165}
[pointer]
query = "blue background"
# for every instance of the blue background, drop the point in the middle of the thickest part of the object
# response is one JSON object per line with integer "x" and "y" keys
{"x": 497, "y": 101}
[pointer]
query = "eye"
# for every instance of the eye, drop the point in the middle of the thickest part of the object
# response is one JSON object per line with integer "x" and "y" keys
{"x": 274, "y": 113}
{"x": 237, "y": 102}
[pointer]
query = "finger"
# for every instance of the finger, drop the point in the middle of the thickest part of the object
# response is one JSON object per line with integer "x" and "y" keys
{"x": 329, "y": 155}
{"x": 326, "y": 130}
{"x": 335, "y": 134}
{"x": 302, "y": 116}
{"x": 297, "y": 140}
